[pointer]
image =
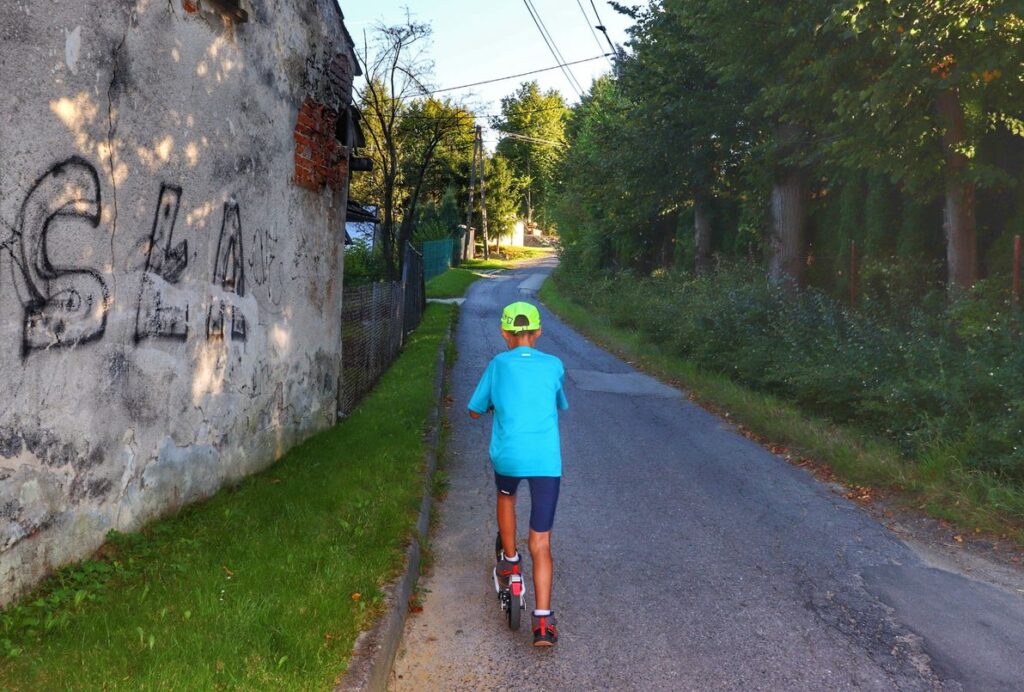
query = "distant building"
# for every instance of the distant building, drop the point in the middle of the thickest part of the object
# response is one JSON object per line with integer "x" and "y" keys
{"x": 515, "y": 236}
{"x": 361, "y": 224}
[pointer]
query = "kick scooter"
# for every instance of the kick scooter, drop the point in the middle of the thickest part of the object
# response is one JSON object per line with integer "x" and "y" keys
{"x": 512, "y": 598}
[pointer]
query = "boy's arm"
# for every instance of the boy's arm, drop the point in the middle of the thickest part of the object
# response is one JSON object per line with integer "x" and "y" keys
{"x": 480, "y": 402}
{"x": 560, "y": 401}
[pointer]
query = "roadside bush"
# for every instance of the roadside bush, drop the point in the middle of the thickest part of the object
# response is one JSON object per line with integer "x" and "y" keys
{"x": 926, "y": 372}
{"x": 363, "y": 264}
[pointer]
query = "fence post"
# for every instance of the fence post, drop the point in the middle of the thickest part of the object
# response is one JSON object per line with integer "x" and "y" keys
{"x": 1016, "y": 269}
{"x": 853, "y": 273}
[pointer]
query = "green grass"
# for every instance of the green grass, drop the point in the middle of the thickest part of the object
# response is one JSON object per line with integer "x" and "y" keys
{"x": 937, "y": 483}
{"x": 452, "y": 284}
{"x": 509, "y": 257}
{"x": 257, "y": 587}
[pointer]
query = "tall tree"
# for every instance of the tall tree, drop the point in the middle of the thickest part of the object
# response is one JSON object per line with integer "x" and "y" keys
{"x": 532, "y": 124}
{"x": 925, "y": 81}
{"x": 405, "y": 129}
{"x": 689, "y": 125}
{"x": 597, "y": 206}
{"x": 504, "y": 193}
{"x": 765, "y": 49}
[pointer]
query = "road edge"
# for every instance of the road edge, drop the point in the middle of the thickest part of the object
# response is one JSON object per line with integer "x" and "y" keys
{"x": 373, "y": 654}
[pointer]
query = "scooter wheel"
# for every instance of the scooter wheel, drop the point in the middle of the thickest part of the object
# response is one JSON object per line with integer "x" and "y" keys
{"x": 515, "y": 609}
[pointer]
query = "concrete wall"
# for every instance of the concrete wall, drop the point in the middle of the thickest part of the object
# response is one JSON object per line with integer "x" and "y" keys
{"x": 170, "y": 257}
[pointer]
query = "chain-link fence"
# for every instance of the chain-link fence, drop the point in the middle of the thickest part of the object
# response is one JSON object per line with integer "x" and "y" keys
{"x": 414, "y": 279}
{"x": 375, "y": 319}
{"x": 437, "y": 257}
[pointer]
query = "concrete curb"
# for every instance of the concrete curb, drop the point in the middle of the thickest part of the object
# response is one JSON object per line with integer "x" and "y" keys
{"x": 373, "y": 654}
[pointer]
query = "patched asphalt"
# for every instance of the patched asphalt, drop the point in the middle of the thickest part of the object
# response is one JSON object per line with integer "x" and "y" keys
{"x": 686, "y": 556}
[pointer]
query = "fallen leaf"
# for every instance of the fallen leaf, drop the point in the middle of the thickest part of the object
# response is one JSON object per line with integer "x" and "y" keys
{"x": 958, "y": 539}
{"x": 356, "y": 596}
{"x": 227, "y": 571}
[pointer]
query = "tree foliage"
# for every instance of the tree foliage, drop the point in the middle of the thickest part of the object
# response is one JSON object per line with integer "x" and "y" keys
{"x": 417, "y": 142}
{"x": 736, "y": 126}
{"x": 532, "y": 124}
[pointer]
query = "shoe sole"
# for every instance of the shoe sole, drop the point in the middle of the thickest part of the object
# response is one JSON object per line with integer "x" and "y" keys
{"x": 543, "y": 643}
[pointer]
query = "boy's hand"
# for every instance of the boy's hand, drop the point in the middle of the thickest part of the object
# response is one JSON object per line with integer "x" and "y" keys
{"x": 474, "y": 415}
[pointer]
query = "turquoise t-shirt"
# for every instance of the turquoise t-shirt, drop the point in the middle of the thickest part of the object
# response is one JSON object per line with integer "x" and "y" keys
{"x": 525, "y": 387}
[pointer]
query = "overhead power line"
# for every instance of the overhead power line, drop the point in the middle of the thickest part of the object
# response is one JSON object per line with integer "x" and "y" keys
{"x": 535, "y": 140}
{"x": 554, "y": 51}
{"x": 521, "y": 74}
{"x": 554, "y": 44}
{"x": 602, "y": 28}
{"x": 586, "y": 18}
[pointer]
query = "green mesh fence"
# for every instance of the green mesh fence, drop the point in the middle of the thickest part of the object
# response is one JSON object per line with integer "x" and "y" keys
{"x": 437, "y": 257}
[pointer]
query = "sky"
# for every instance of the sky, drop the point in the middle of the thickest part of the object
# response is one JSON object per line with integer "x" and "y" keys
{"x": 476, "y": 40}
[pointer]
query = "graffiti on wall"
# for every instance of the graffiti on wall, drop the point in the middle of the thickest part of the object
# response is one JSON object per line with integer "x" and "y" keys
{"x": 265, "y": 267}
{"x": 229, "y": 274}
{"x": 65, "y": 303}
{"x": 156, "y": 315}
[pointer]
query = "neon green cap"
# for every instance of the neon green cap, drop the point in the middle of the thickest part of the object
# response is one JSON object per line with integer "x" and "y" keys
{"x": 520, "y": 309}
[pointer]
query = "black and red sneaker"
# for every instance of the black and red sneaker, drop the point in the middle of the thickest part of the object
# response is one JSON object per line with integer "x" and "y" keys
{"x": 503, "y": 572}
{"x": 544, "y": 631}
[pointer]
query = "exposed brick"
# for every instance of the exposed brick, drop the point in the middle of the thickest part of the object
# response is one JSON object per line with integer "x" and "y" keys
{"x": 319, "y": 157}
{"x": 306, "y": 180}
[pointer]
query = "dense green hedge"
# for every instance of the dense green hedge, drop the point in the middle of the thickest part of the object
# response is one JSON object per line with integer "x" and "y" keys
{"x": 924, "y": 372}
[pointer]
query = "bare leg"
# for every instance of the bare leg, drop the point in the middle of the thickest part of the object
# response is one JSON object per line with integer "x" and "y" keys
{"x": 507, "y": 523}
{"x": 540, "y": 554}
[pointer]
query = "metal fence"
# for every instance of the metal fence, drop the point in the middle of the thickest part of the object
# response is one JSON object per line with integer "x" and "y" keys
{"x": 414, "y": 279}
{"x": 375, "y": 319}
{"x": 437, "y": 257}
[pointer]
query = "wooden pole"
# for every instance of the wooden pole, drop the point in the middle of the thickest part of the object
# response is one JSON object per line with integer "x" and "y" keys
{"x": 483, "y": 195}
{"x": 1016, "y": 270}
{"x": 470, "y": 239}
{"x": 853, "y": 273}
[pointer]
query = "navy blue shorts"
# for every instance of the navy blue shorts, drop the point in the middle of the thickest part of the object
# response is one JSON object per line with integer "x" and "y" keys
{"x": 543, "y": 497}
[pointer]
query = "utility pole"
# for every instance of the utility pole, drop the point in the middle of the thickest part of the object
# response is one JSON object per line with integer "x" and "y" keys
{"x": 470, "y": 239}
{"x": 483, "y": 193}
{"x": 529, "y": 192}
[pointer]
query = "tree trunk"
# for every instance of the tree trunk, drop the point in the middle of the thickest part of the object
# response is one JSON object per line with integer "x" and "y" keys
{"x": 701, "y": 235}
{"x": 958, "y": 214}
{"x": 786, "y": 243}
{"x": 388, "y": 235}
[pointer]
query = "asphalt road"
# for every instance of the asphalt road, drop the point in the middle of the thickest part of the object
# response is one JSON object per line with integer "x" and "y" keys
{"x": 686, "y": 556}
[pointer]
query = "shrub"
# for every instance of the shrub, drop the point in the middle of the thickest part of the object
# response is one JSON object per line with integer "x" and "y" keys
{"x": 363, "y": 264}
{"x": 925, "y": 371}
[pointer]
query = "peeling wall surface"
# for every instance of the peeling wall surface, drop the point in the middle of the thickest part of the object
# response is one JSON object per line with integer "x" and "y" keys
{"x": 170, "y": 298}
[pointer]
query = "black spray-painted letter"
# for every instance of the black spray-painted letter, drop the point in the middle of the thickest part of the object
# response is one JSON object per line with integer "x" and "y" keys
{"x": 229, "y": 275}
{"x": 66, "y": 305}
{"x": 156, "y": 314}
